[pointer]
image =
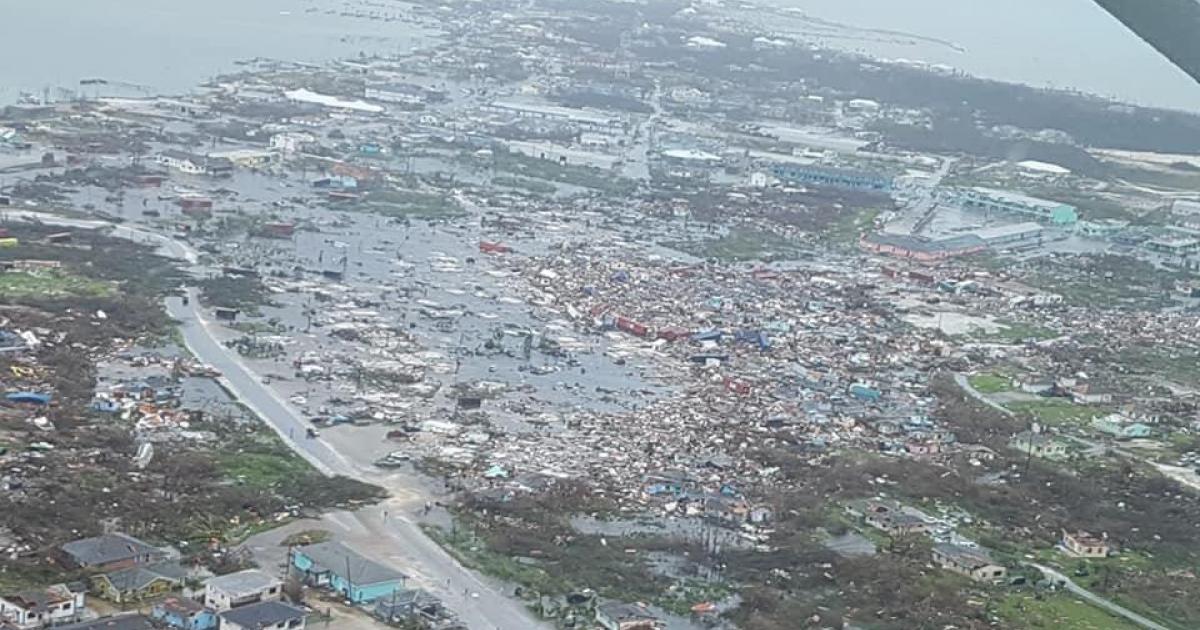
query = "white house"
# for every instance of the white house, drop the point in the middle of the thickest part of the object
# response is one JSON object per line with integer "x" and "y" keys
{"x": 37, "y": 608}
{"x": 402, "y": 93}
{"x": 291, "y": 142}
{"x": 181, "y": 161}
{"x": 224, "y": 592}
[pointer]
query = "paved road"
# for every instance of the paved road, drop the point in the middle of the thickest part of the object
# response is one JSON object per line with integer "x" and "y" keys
{"x": 961, "y": 380}
{"x": 384, "y": 532}
{"x": 1096, "y": 600}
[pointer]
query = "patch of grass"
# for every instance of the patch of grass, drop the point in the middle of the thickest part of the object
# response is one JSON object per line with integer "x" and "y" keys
{"x": 1105, "y": 281}
{"x": 989, "y": 383}
{"x": 240, "y": 292}
{"x": 1036, "y": 611}
{"x": 585, "y": 176}
{"x": 472, "y": 552}
{"x": 1056, "y": 411}
{"x": 741, "y": 243}
{"x": 687, "y": 593}
{"x": 1015, "y": 332}
{"x": 409, "y": 204}
{"x": 51, "y": 283}
{"x": 524, "y": 183}
{"x": 262, "y": 463}
{"x": 1174, "y": 363}
{"x": 848, "y": 226}
{"x": 259, "y": 328}
{"x": 307, "y": 537}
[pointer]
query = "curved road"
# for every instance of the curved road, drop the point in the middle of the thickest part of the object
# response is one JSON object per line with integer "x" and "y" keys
{"x": 1096, "y": 600}
{"x": 965, "y": 385}
{"x": 1051, "y": 574}
{"x": 408, "y": 549}
{"x": 382, "y": 532}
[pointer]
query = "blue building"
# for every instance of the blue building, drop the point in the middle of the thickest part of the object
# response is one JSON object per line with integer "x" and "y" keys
{"x": 185, "y": 614}
{"x": 832, "y": 177}
{"x": 864, "y": 393}
{"x": 1003, "y": 202}
{"x": 335, "y": 566}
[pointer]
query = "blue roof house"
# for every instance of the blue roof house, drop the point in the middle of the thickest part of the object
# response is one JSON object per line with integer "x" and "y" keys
{"x": 335, "y": 566}
{"x": 864, "y": 393}
{"x": 185, "y": 614}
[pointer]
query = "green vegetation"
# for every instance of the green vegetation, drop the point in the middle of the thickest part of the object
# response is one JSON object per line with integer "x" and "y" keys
{"x": 1170, "y": 361}
{"x": 472, "y": 552}
{"x": 247, "y": 293}
{"x": 1091, "y": 207}
{"x": 1015, "y": 332}
{"x": 741, "y": 243}
{"x": 259, "y": 460}
{"x": 1105, "y": 281}
{"x": 524, "y": 183}
{"x": 1056, "y": 411}
{"x": 1037, "y": 611}
{"x": 850, "y": 225}
{"x": 687, "y": 593}
{"x": 307, "y": 537}
{"x": 270, "y": 327}
{"x": 410, "y": 204}
{"x": 529, "y": 542}
{"x": 50, "y": 283}
{"x": 990, "y": 383}
{"x": 262, "y": 462}
{"x": 1173, "y": 179}
{"x": 585, "y": 176}
{"x": 99, "y": 273}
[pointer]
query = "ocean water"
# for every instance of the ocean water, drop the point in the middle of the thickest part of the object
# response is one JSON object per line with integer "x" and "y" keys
{"x": 169, "y": 46}
{"x": 1067, "y": 44}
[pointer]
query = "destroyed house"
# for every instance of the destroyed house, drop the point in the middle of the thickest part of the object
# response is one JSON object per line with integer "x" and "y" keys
{"x": 181, "y": 161}
{"x": 191, "y": 164}
{"x": 672, "y": 483}
{"x": 109, "y": 552}
{"x": 335, "y": 566}
{"x": 1084, "y": 545}
{"x": 732, "y": 509}
{"x": 183, "y": 613}
{"x": 1038, "y": 444}
{"x": 889, "y": 516}
{"x": 278, "y": 230}
{"x": 409, "y": 605}
{"x": 972, "y": 563}
{"x": 37, "y": 608}
{"x": 621, "y": 616}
